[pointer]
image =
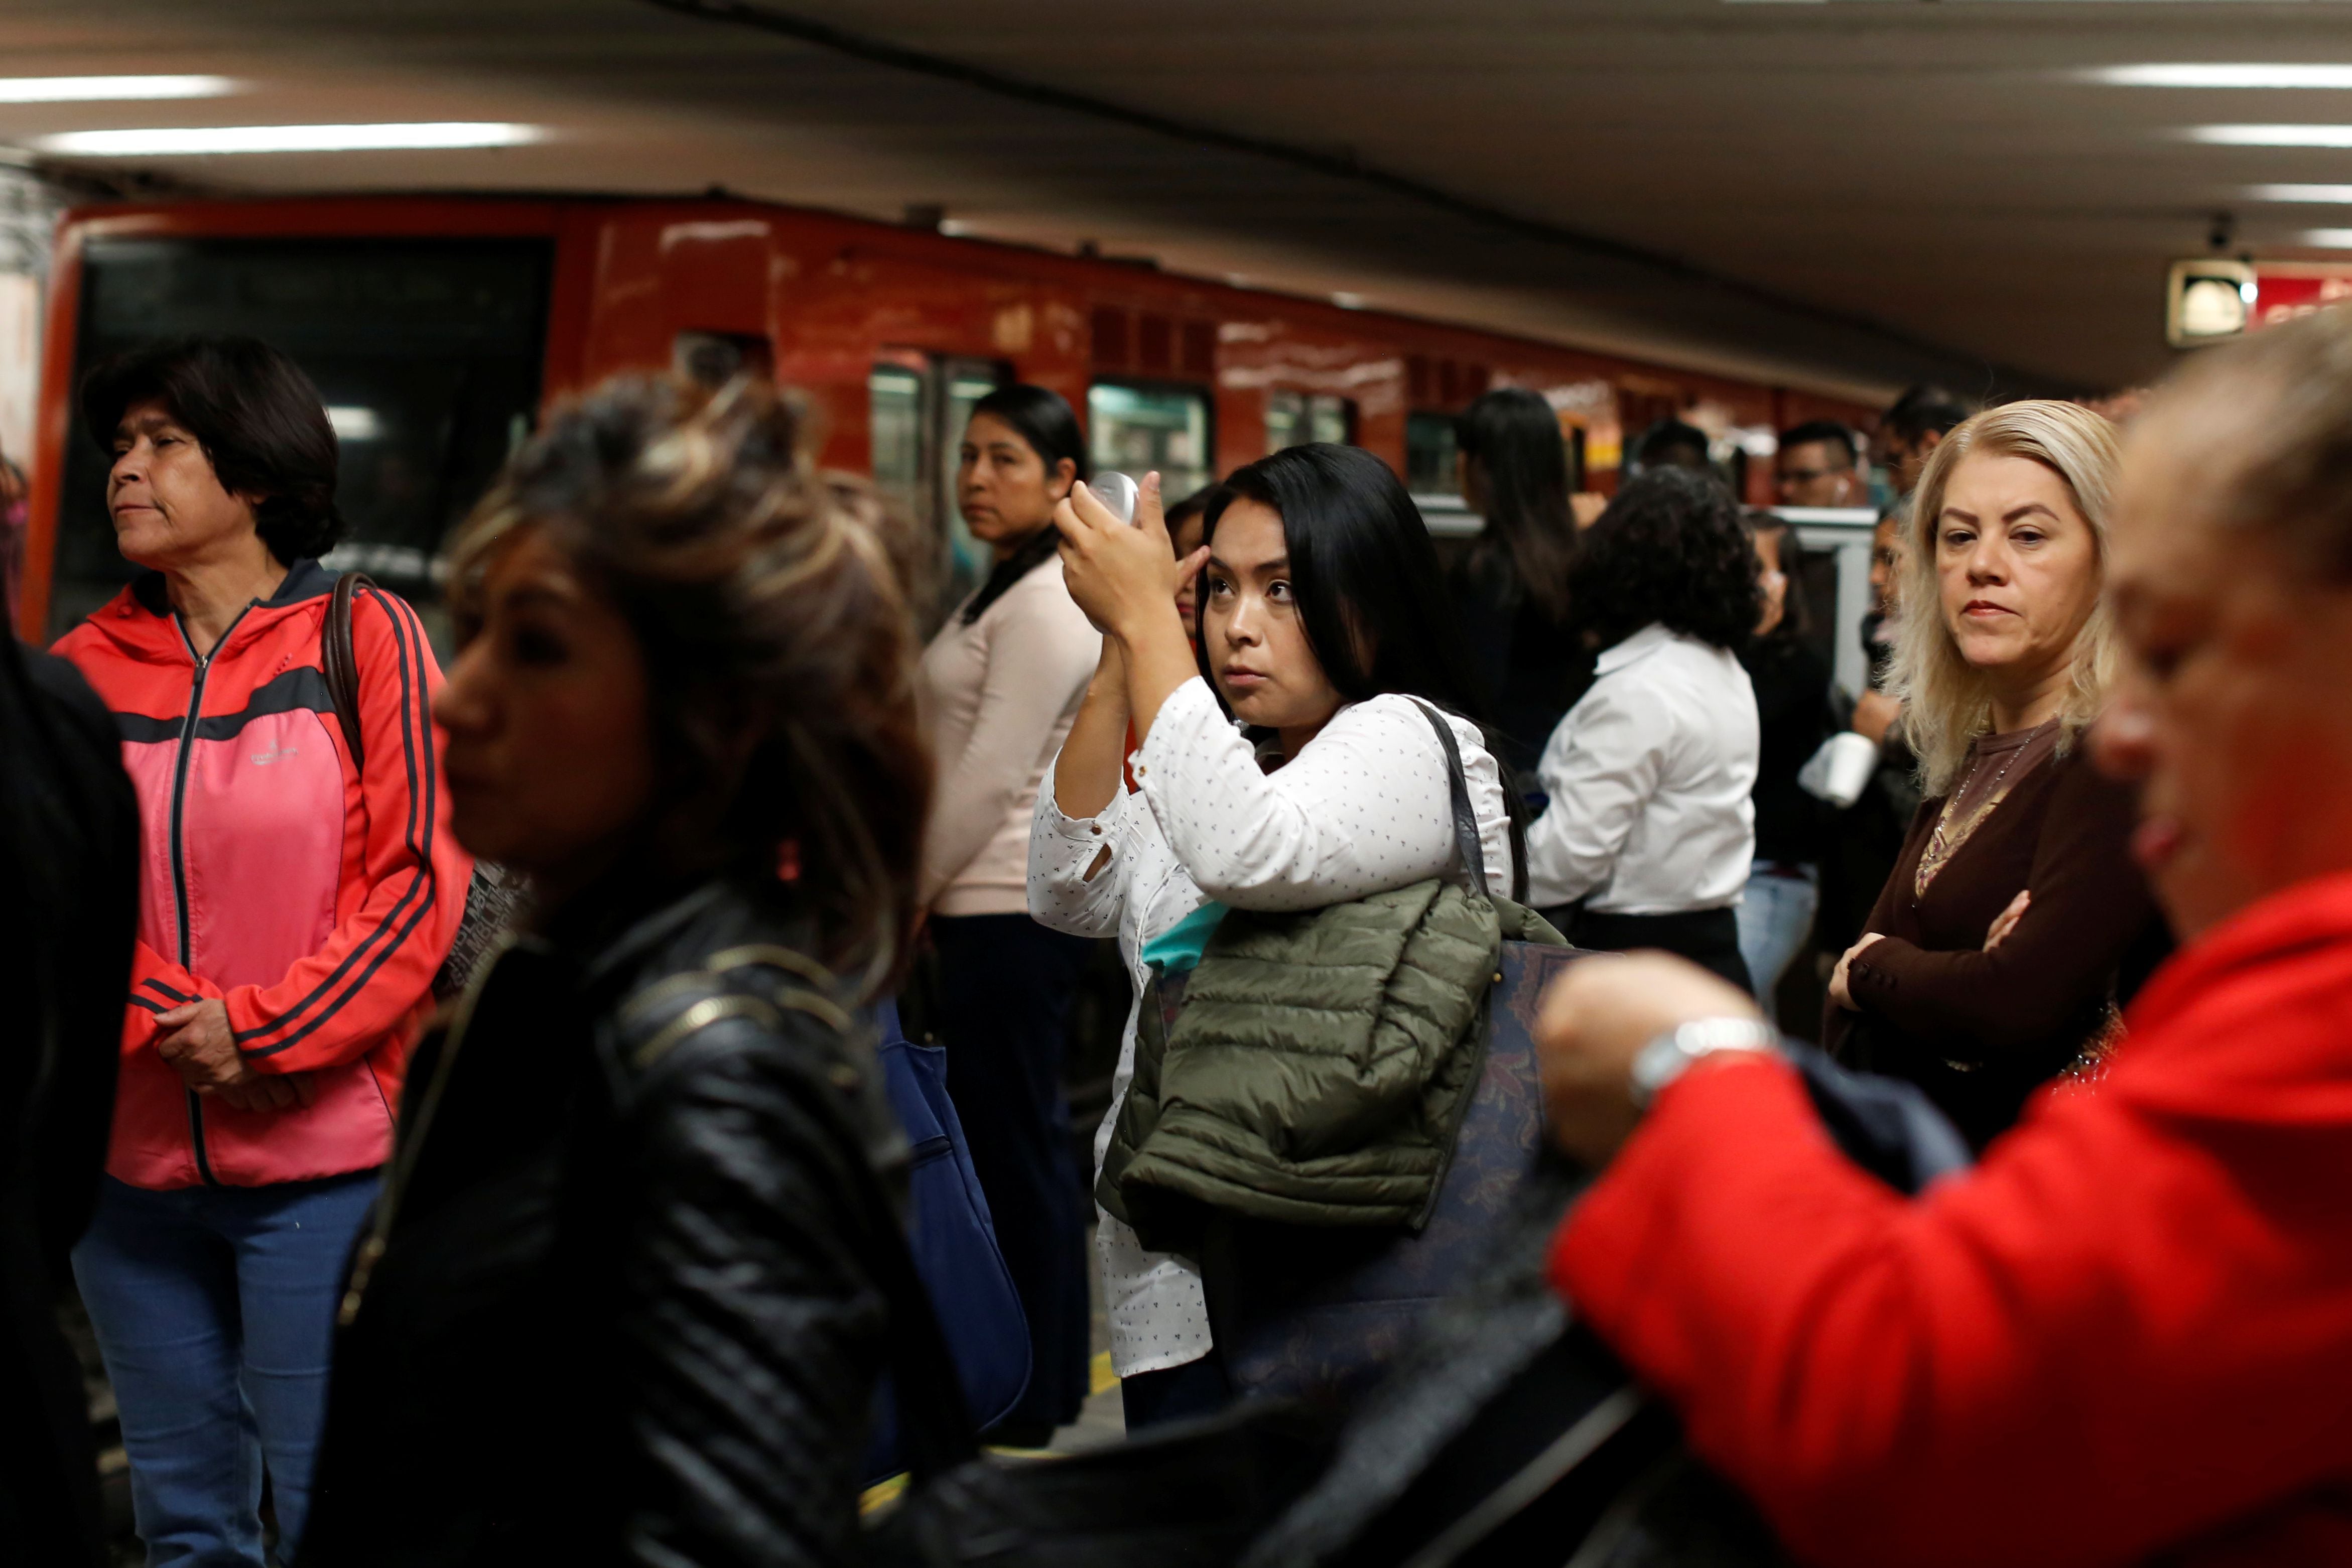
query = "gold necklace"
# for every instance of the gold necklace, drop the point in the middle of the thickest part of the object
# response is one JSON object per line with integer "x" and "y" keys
{"x": 1940, "y": 848}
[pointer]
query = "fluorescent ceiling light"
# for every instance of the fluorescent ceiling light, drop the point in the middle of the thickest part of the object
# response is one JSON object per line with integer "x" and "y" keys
{"x": 2330, "y": 195}
{"x": 353, "y": 421}
{"x": 2222, "y": 76}
{"x": 109, "y": 89}
{"x": 167, "y": 143}
{"x": 2271, "y": 135}
{"x": 2328, "y": 238}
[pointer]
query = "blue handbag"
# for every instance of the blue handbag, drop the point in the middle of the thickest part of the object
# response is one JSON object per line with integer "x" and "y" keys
{"x": 954, "y": 1245}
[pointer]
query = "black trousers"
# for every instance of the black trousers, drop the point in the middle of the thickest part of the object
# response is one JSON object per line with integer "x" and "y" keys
{"x": 1005, "y": 985}
{"x": 1709, "y": 938}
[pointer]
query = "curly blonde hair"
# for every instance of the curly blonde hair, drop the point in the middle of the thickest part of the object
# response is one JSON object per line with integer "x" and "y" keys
{"x": 1946, "y": 702}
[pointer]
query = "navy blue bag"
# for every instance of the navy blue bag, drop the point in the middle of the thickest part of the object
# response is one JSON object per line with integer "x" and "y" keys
{"x": 954, "y": 1245}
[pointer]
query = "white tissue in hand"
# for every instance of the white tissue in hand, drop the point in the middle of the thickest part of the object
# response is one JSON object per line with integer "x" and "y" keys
{"x": 1838, "y": 771}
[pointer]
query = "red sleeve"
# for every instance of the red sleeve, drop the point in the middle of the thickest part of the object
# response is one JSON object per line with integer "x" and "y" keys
{"x": 378, "y": 964}
{"x": 157, "y": 985}
{"x": 2045, "y": 1361}
{"x": 2090, "y": 903}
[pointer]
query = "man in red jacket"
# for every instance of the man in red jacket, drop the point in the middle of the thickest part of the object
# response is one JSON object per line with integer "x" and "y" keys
{"x": 2128, "y": 1333}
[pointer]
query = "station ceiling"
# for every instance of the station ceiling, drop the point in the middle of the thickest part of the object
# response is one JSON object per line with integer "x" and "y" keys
{"x": 1847, "y": 194}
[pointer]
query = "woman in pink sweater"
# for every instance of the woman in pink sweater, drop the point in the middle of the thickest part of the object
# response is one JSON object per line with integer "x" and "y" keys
{"x": 998, "y": 688}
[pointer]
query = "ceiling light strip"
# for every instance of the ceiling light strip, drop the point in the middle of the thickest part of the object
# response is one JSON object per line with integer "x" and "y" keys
{"x": 2270, "y": 135}
{"x": 111, "y": 88}
{"x": 163, "y": 143}
{"x": 2216, "y": 74}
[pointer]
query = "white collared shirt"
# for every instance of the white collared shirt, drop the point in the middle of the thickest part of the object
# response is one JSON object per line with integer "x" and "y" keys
{"x": 1650, "y": 776}
{"x": 1364, "y": 807}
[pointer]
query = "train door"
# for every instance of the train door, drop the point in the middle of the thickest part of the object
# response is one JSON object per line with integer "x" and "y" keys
{"x": 919, "y": 404}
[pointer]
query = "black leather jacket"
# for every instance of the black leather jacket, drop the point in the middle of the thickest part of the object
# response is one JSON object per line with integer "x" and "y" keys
{"x": 621, "y": 1310}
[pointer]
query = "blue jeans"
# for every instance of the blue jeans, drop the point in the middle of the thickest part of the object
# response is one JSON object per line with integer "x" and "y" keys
{"x": 1776, "y": 916}
{"x": 215, "y": 1312}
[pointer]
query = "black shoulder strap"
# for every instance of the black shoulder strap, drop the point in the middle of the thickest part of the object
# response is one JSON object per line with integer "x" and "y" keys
{"x": 339, "y": 661}
{"x": 1466, "y": 841}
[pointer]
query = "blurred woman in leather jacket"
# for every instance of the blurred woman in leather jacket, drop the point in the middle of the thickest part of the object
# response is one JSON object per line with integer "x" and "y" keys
{"x": 619, "y": 1301}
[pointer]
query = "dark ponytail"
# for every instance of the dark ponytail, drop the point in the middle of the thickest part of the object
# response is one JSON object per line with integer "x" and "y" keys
{"x": 1046, "y": 424}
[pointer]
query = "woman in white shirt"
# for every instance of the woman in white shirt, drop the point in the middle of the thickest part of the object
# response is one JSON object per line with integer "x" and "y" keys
{"x": 1322, "y": 616}
{"x": 997, "y": 690}
{"x": 1648, "y": 836}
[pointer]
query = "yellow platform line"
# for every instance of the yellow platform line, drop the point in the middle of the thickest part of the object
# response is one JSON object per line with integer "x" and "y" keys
{"x": 1101, "y": 1379}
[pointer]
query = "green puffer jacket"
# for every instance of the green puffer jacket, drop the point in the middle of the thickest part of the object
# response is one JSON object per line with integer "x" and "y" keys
{"x": 1318, "y": 1069}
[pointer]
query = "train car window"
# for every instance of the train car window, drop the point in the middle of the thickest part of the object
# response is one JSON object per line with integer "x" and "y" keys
{"x": 896, "y": 429}
{"x": 1429, "y": 449}
{"x": 427, "y": 353}
{"x": 917, "y": 406}
{"x": 1294, "y": 418}
{"x": 1133, "y": 427}
{"x": 962, "y": 383}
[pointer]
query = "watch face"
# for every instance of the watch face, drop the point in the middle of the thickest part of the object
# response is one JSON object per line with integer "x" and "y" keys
{"x": 1670, "y": 1055}
{"x": 1656, "y": 1065}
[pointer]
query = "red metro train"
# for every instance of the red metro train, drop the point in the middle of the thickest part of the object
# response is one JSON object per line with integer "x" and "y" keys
{"x": 437, "y": 329}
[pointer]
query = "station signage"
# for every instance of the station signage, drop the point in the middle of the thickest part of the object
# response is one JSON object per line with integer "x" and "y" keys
{"x": 2211, "y": 300}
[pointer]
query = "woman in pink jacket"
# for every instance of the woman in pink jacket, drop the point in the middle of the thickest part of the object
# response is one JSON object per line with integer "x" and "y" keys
{"x": 296, "y": 901}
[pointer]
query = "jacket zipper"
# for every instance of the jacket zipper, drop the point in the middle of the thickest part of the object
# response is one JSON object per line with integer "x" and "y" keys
{"x": 179, "y": 863}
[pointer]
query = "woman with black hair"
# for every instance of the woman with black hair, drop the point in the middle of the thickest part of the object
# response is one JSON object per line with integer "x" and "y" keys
{"x": 1648, "y": 836}
{"x": 1511, "y": 589}
{"x": 1285, "y": 764}
{"x": 299, "y": 895}
{"x": 998, "y": 688}
{"x": 1791, "y": 681}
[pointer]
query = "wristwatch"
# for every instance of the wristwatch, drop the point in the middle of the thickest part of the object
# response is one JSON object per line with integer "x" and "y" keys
{"x": 1670, "y": 1055}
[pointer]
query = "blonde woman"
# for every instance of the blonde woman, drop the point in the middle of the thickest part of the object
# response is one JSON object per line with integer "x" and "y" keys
{"x": 2015, "y": 920}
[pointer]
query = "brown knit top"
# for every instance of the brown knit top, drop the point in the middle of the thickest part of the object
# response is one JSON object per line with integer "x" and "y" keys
{"x": 1980, "y": 1031}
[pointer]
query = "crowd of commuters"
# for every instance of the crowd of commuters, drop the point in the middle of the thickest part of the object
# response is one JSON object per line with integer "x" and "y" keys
{"x": 2124, "y": 1336}
{"x": 601, "y": 1261}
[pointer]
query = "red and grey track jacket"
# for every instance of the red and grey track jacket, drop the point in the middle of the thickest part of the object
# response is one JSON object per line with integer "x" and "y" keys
{"x": 315, "y": 898}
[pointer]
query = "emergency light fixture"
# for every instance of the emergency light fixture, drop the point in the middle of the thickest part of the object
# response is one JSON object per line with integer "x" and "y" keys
{"x": 2210, "y": 300}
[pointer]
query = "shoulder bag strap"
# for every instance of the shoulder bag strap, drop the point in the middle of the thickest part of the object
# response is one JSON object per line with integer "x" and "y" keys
{"x": 339, "y": 662}
{"x": 1465, "y": 821}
